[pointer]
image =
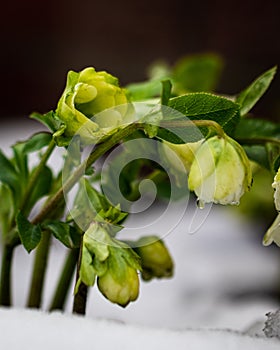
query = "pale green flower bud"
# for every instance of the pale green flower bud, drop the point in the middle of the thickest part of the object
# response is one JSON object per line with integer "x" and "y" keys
{"x": 120, "y": 282}
{"x": 155, "y": 258}
{"x": 273, "y": 233}
{"x": 276, "y": 186}
{"x": 221, "y": 172}
{"x": 86, "y": 95}
{"x": 119, "y": 290}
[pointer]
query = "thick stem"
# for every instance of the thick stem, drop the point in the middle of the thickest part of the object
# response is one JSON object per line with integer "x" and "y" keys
{"x": 39, "y": 270}
{"x": 64, "y": 282}
{"x": 5, "y": 287}
{"x": 80, "y": 298}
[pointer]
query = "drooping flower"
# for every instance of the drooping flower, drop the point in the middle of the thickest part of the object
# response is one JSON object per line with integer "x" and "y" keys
{"x": 273, "y": 233}
{"x": 276, "y": 186}
{"x": 221, "y": 171}
{"x": 155, "y": 258}
{"x": 120, "y": 282}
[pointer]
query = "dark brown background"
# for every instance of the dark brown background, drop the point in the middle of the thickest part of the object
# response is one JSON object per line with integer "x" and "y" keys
{"x": 42, "y": 40}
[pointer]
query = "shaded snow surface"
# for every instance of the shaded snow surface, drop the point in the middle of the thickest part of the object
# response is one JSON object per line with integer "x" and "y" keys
{"x": 28, "y": 330}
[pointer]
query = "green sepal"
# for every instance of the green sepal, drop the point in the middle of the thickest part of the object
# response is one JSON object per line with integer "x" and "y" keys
{"x": 250, "y": 96}
{"x": 29, "y": 234}
{"x": 49, "y": 119}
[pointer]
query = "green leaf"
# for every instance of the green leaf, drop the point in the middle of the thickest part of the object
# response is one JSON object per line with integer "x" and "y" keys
{"x": 256, "y": 128}
{"x": 21, "y": 163}
{"x": 30, "y": 235}
{"x": 42, "y": 186}
{"x": 8, "y": 173}
{"x": 166, "y": 92}
{"x": 258, "y": 154}
{"x": 144, "y": 90}
{"x": 250, "y": 96}
{"x": 66, "y": 234}
{"x": 196, "y": 73}
{"x": 37, "y": 142}
{"x": 198, "y": 106}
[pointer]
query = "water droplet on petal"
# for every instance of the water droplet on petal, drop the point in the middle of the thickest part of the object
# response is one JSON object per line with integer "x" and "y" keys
{"x": 200, "y": 203}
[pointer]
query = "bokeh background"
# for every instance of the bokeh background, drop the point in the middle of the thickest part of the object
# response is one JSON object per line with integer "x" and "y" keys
{"x": 42, "y": 40}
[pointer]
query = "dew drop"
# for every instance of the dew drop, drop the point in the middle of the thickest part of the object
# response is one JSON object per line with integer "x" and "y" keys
{"x": 200, "y": 203}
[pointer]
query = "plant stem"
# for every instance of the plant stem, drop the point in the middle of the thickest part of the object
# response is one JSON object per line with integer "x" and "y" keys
{"x": 5, "y": 287}
{"x": 188, "y": 123}
{"x": 36, "y": 174}
{"x": 99, "y": 151}
{"x": 63, "y": 285}
{"x": 80, "y": 298}
{"x": 39, "y": 270}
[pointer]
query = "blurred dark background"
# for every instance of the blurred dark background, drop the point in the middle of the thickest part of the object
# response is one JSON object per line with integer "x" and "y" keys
{"x": 42, "y": 40}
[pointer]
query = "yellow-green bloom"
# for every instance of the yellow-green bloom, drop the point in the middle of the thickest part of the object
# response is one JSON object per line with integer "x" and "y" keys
{"x": 276, "y": 186}
{"x": 273, "y": 233}
{"x": 221, "y": 171}
{"x": 87, "y": 94}
{"x": 120, "y": 287}
{"x": 155, "y": 258}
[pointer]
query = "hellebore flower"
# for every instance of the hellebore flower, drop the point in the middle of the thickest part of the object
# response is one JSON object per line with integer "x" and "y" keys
{"x": 86, "y": 95}
{"x": 120, "y": 282}
{"x": 155, "y": 258}
{"x": 273, "y": 233}
{"x": 221, "y": 172}
{"x": 276, "y": 186}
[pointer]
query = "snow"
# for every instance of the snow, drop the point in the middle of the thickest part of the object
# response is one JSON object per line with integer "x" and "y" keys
{"x": 38, "y": 330}
{"x": 217, "y": 299}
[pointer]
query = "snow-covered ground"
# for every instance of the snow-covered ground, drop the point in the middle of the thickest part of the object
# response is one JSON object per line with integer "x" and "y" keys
{"x": 223, "y": 281}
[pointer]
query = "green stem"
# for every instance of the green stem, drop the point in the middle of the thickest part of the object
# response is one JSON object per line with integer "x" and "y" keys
{"x": 80, "y": 298}
{"x": 5, "y": 287}
{"x": 200, "y": 123}
{"x": 39, "y": 270}
{"x": 99, "y": 151}
{"x": 63, "y": 285}
{"x": 35, "y": 175}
